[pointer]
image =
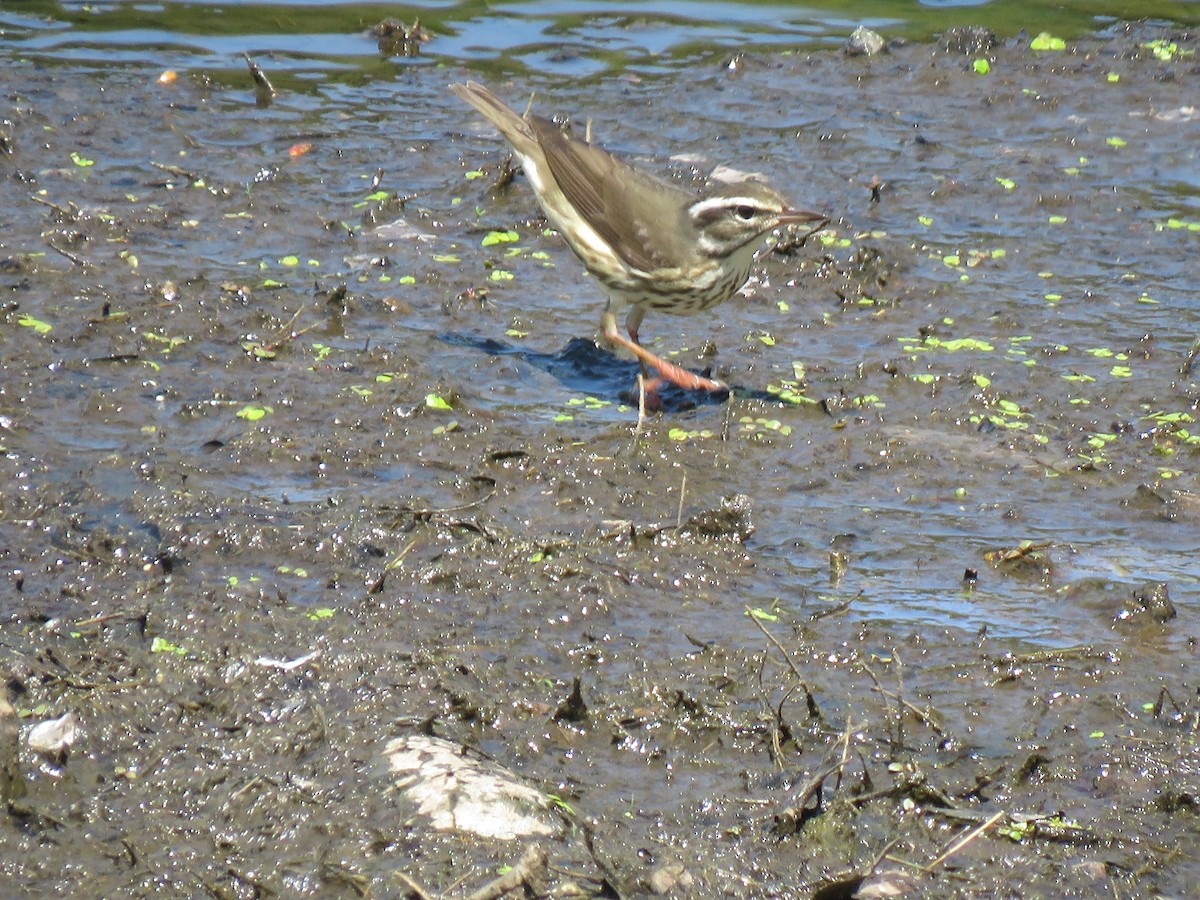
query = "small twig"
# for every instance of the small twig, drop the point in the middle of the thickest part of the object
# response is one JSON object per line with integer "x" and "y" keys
{"x": 792, "y": 819}
{"x": 107, "y": 617}
{"x": 285, "y": 334}
{"x": 73, "y": 257}
{"x": 430, "y": 512}
{"x": 377, "y": 585}
{"x": 778, "y": 646}
{"x": 883, "y": 854}
{"x": 833, "y": 610}
{"x": 966, "y": 839}
{"x": 893, "y": 715}
{"x": 528, "y": 872}
{"x": 682, "y": 495}
{"x": 71, "y": 213}
{"x": 413, "y": 888}
{"x": 1186, "y": 368}
{"x": 926, "y": 718}
{"x": 80, "y": 684}
{"x": 192, "y": 177}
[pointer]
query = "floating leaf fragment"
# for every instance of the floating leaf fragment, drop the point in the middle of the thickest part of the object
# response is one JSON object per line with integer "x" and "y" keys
{"x": 252, "y": 412}
{"x": 1047, "y": 41}
{"x": 162, "y": 645}
{"x": 758, "y": 612}
{"x": 499, "y": 237}
{"x": 28, "y": 321}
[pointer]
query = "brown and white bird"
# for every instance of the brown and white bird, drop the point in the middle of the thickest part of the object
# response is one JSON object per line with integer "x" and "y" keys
{"x": 652, "y": 244}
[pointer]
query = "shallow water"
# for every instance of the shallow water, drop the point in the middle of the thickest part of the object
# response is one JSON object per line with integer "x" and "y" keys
{"x": 579, "y": 38}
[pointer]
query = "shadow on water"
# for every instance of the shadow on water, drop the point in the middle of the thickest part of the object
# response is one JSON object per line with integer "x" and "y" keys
{"x": 585, "y": 368}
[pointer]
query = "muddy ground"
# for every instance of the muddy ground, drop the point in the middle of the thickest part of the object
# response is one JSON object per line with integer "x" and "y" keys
{"x": 271, "y": 386}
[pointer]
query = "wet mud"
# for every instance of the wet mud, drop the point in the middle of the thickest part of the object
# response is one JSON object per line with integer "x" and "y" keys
{"x": 307, "y": 446}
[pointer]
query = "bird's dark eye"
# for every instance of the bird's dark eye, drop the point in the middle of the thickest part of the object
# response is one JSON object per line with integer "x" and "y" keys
{"x": 745, "y": 212}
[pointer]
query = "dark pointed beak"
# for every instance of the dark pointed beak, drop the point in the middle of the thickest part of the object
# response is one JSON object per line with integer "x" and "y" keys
{"x": 796, "y": 216}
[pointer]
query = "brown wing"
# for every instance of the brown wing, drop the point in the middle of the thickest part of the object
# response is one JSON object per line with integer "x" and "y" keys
{"x": 642, "y": 217}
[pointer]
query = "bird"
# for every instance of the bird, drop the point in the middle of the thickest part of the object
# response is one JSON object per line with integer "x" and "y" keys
{"x": 653, "y": 245}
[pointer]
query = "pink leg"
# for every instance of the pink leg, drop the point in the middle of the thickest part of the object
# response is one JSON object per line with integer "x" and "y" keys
{"x": 679, "y": 377}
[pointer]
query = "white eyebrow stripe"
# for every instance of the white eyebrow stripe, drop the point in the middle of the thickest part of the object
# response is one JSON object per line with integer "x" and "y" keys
{"x": 700, "y": 207}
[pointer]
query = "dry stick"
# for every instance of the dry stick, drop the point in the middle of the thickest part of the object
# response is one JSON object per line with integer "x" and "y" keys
{"x": 177, "y": 171}
{"x": 883, "y": 854}
{"x": 414, "y": 888}
{"x": 776, "y": 746}
{"x": 530, "y": 869}
{"x": 285, "y": 333}
{"x": 778, "y": 646}
{"x": 958, "y": 845}
{"x": 73, "y": 257}
{"x": 1186, "y": 368}
{"x": 376, "y": 586}
{"x": 814, "y": 711}
{"x": 682, "y": 494}
{"x": 71, "y": 213}
{"x": 443, "y": 510}
{"x": 887, "y": 695}
{"x": 790, "y": 819}
{"x": 925, "y": 718}
{"x": 106, "y": 617}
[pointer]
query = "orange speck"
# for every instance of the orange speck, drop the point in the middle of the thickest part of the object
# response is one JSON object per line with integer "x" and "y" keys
{"x": 168, "y": 76}
{"x": 298, "y": 150}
